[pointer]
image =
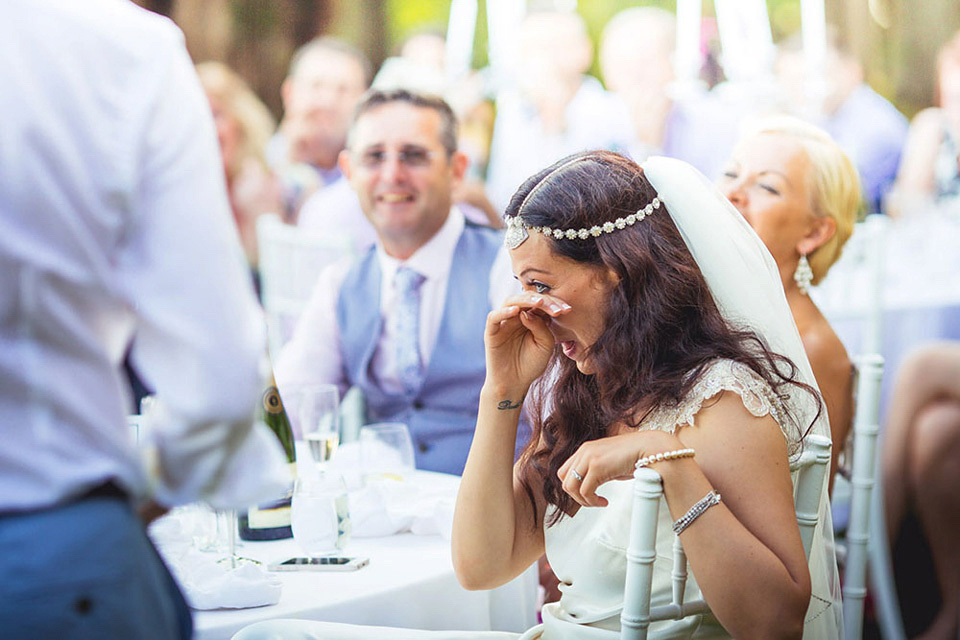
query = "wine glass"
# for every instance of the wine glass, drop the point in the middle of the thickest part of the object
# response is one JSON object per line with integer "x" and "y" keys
{"x": 227, "y": 518}
{"x": 318, "y": 408}
{"x": 205, "y": 526}
{"x": 320, "y": 514}
{"x": 386, "y": 451}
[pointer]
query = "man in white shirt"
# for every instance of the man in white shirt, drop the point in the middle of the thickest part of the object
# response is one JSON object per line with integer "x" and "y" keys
{"x": 415, "y": 350}
{"x": 114, "y": 222}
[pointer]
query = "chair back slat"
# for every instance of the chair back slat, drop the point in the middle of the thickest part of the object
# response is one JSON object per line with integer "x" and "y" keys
{"x": 811, "y": 468}
{"x": 866, "y": 428}
{"x": 641, "y": 553}
{"x": 290, "y": 259}
{"x": 679, "y": 571}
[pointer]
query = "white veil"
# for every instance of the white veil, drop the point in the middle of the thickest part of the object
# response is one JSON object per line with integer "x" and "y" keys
{"x": 746, "y": 286}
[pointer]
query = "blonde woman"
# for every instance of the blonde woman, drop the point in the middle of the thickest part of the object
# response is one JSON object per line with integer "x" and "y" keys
{"x": 244, "y": 126}
{"x": 801, "y": 194}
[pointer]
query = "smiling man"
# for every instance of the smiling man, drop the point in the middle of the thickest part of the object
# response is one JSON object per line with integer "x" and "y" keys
{"x": 405, "y": 322}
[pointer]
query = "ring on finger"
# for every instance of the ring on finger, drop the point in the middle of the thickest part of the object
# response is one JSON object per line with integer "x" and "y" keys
{"x": 576, "y": 475}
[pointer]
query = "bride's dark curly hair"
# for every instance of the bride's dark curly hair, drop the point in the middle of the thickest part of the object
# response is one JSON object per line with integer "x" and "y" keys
{"x": 662, "y": 326}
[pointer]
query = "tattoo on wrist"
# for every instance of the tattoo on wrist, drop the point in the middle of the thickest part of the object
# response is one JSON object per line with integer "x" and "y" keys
{"x": 506, "y": 405}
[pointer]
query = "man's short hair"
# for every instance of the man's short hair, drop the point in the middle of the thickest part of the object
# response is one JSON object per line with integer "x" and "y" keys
{"x": 335, "y": 45}
{"x": 449, "y": 129}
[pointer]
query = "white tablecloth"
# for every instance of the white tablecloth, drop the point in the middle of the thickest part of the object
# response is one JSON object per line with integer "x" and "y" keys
{"x": 409, "y": 583}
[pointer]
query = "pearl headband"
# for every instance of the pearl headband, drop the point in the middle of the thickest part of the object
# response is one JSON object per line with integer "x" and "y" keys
{"x": 517, "y": 229}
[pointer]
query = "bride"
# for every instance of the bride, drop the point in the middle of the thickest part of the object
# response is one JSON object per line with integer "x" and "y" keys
{"x": 652, "y": 321}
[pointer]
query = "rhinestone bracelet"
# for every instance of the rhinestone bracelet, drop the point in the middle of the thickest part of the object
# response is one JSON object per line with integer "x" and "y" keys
{"x": 696, "y": 511}
{"x": 660, "y": 457}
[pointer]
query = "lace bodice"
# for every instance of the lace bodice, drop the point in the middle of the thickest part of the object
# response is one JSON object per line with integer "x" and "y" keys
{"x": 729, "y": 375}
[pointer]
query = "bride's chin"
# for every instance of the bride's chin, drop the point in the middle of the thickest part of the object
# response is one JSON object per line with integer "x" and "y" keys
{"x": 584, "y": 367}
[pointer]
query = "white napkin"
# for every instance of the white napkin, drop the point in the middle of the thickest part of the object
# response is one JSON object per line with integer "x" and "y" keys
{"x": 205, "y": 583}
{"x": 394, "y": 505}
{"x": 379, "y": 509}
{"x": 208, "y": 585}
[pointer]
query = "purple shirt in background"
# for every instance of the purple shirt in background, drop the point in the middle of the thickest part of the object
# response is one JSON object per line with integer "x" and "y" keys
{"x": 702, "y": 131}
{"x": 872, "y": 132}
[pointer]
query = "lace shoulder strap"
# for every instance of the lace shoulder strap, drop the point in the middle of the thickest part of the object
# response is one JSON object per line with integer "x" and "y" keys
{"x": 724, "y": 375}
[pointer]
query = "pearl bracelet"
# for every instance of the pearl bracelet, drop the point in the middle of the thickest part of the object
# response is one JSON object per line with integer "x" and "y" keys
{"x": 660, "y": 457}
{"x": 707, "y": 501}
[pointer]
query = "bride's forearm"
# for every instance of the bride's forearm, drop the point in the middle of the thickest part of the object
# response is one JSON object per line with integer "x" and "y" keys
{"x": 494, "y": 538}
{"x": 733, "y": 566}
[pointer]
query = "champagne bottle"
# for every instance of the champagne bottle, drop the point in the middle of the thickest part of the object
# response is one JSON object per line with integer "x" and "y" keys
{"x": 271, "y": 521}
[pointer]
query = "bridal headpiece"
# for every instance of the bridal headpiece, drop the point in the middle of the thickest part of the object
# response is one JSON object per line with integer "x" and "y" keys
{"x": 517, "y": 228}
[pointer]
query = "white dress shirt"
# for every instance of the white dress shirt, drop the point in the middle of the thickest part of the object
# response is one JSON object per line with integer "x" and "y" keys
{"x": 313, "y": 355}
{"x": 114, "y": 223}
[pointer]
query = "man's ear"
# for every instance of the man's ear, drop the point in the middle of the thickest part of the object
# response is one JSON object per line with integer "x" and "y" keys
{"x": 459, "y": 163}
{"x": 819, "y": 234}
{"x": 286, "y": 89}
{"x": 343, "y": 161}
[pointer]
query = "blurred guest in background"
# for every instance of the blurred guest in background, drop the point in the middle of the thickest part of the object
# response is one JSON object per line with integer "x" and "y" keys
{"x": 866, "y": 125}
{"x": 405, "y": 322}
{"x": 419, "y": 69}
{"x": 799, "y": 191}
{"x": 244, "y": 126}
{"x": 115, "y": 223}
{"x": 921, "y": 467}
{"x": 930, "y": 172}
{"x": 553, "y": 109}
{"x": 636, "y": 58}
{"x": 326, "y": 79}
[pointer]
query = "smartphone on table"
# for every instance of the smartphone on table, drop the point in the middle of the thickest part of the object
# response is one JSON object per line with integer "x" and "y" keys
{"x": 321, "y": 563}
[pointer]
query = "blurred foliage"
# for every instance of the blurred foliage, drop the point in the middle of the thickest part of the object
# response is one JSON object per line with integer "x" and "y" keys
{"x": 407, "y": 18}
{"x": 251, "y": 17}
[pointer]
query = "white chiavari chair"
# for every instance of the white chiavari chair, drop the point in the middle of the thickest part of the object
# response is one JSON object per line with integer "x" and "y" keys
{"x": 290, "y": 259}
{"x": 811, "y": 468}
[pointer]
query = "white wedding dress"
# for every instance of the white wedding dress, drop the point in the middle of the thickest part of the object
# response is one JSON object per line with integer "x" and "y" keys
{"x": 587, "y": 551}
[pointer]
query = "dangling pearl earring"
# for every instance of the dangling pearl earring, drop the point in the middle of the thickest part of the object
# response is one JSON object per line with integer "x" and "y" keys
{"x": 803, "y": 276}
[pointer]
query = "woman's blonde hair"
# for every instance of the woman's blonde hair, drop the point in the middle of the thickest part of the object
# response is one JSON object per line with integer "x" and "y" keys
{"x": 834, "y": 184}
{"x": 255, "y": 121}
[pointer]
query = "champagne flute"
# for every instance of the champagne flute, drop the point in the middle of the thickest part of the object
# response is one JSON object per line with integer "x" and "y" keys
{"x": 228, "y": 519}
{"x": 319, "y": 411}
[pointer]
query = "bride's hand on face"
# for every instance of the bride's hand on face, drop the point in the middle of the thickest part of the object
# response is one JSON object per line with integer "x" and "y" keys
{"x": 610, "y": 458}
{"x": 518, "y": 339}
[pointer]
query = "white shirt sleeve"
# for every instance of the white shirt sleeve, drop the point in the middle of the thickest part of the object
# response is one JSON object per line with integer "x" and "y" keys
{"x": 200, "y": 335}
